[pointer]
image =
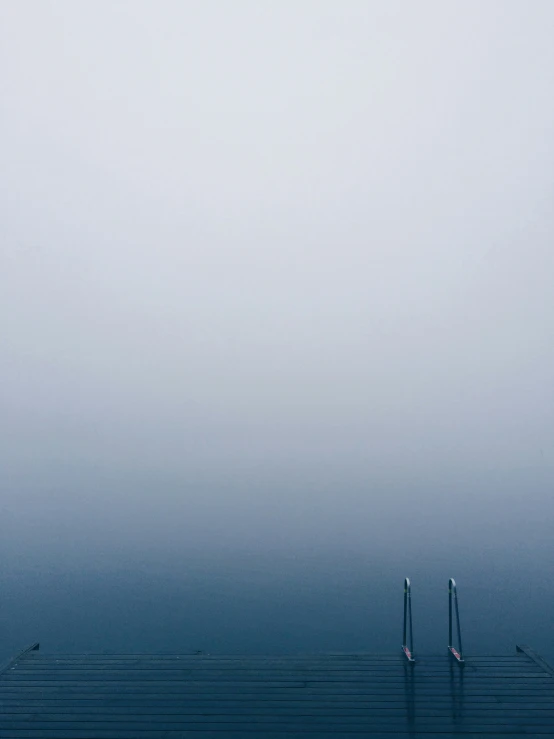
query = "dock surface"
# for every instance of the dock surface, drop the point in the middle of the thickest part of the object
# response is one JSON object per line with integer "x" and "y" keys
{"x": 172, "y": 696}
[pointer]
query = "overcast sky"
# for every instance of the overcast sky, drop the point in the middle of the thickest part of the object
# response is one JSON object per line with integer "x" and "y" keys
{"x": 275, "y": 237}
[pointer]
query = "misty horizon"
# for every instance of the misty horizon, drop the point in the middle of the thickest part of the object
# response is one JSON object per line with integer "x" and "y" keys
{"x": 276, "y": 321}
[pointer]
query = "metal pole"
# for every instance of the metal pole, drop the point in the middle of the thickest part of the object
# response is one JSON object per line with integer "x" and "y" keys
{"x": 406, "y": 586}
{"x": 453, "y": 594}
{"x": 450, "y": 612}
{"x": 411, "y": 623}
{"x": 458, "y": 620}
{"x": 408, "y": 650}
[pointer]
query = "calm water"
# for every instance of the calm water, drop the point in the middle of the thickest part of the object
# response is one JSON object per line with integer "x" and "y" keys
{"x": 280, "y": 570}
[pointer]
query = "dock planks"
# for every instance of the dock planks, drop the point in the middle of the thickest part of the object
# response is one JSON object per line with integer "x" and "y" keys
{"x": 172, "y": 696}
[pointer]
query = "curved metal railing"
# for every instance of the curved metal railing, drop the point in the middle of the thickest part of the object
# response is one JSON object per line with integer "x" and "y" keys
{"x": 453, "y": 597}
{"x": 408, "y": 650}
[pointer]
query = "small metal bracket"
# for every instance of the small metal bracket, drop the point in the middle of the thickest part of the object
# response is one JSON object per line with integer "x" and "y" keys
{"x": 10, "y": 662}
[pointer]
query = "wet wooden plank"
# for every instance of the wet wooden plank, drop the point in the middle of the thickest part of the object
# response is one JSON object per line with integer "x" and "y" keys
{"x": 6, "y": 727}
{"x": 469, "y": 669}
{"x": 269, "y": 700}
{"x": 245, "y": 675}
{"x": 444, "y": 665}
{"x": 274, "y": 709}
{"x": 222, "y": 712}
{"x": 231, "y": 734}
{"x": 101, "y": 690}
{"x": 206, "y": 657}
{"x": 241, "y": 664}
{"x": 175, "y": 696}
{"x": 254, "y": 734}
{"x": 238, "y": 685}
{"x": 205, "y": 663}
{"x": 536, "y": 703}
{"x": 409, "y": 673}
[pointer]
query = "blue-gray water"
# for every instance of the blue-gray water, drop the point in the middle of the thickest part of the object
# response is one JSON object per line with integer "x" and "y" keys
{"x": 278, "y": 568}
{"x": 276, "y": 321}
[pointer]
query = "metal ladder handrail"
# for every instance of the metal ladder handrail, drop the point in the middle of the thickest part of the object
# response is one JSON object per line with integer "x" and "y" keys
{"x": 408, "y": 651}
{"x": 453, "y": 596}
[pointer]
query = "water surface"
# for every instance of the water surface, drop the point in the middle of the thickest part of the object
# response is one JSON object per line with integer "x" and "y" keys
{"x": 283, "y": 566}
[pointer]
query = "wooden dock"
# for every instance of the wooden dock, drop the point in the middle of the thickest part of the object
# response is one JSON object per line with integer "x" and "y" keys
{"x": 173, "y": 696}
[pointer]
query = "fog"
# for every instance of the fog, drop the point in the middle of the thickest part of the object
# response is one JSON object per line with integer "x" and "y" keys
{"x": 276, "y": 323}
